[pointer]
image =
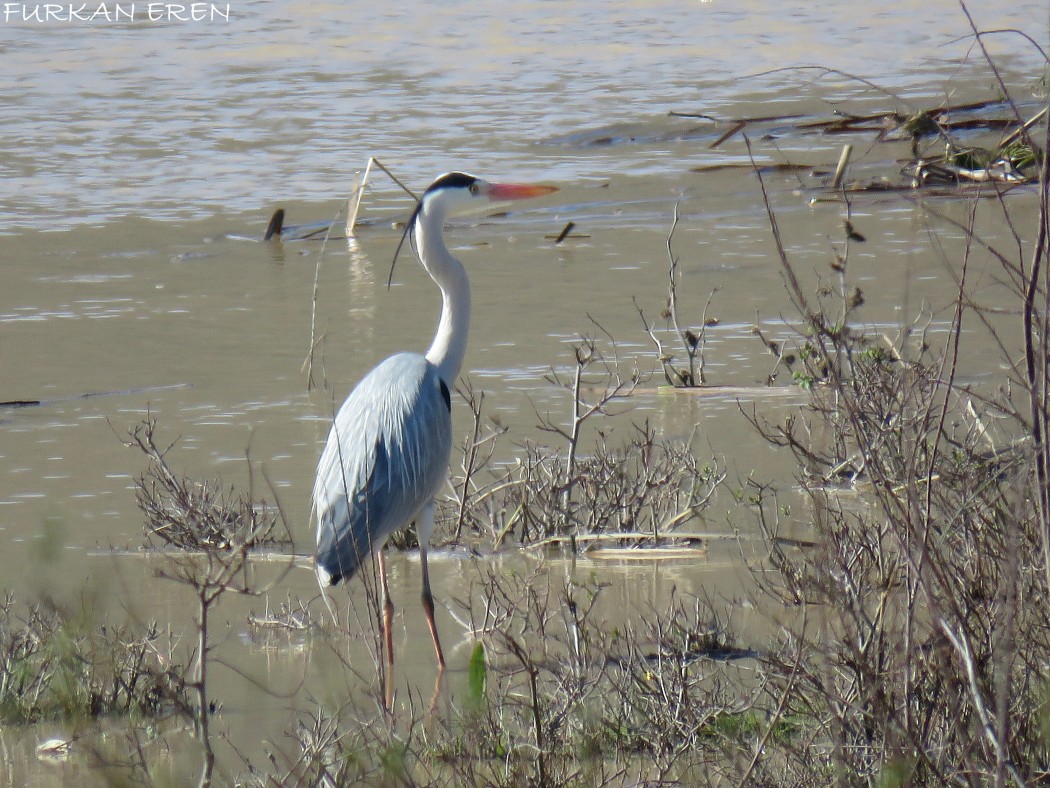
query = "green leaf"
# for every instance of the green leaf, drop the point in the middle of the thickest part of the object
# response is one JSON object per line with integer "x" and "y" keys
{"x": 477, "y": 675}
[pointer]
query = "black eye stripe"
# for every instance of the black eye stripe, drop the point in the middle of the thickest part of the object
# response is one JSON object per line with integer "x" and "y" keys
{"x": 454, "y": 180}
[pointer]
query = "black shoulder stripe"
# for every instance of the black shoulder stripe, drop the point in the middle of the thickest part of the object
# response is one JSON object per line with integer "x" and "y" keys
{"x": 446, "y": 395}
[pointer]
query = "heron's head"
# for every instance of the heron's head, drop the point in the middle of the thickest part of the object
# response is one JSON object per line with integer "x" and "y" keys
{"x": 455, "y": 191}
{"x": 458, "y": 191}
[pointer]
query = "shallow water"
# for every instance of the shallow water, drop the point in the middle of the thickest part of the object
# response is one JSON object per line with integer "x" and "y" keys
{"x": 141, "y": 162}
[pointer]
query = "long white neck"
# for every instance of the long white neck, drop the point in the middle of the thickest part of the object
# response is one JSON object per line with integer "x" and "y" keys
{"x": 450, "y": 342}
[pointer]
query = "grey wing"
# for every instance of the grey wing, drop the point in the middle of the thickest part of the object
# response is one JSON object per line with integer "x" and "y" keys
{"x": 386, "y": 456}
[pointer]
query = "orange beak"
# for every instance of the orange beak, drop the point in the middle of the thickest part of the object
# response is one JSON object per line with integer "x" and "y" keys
{"x": 518, "y": 191}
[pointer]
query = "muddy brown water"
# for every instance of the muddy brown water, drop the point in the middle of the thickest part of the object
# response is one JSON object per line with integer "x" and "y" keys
{"x": 141, "y": 161}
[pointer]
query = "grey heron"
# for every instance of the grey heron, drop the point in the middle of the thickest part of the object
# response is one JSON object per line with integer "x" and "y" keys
{"x": 388, "y": 450}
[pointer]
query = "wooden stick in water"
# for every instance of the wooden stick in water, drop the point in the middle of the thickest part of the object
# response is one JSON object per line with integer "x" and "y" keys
{"x": 840, "y": 170}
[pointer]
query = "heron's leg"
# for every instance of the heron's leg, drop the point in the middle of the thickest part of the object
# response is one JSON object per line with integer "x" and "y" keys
{"x": 388, "y": 612}
{"x": 428, "y": 609}
{"x": 426, "y": 525}
{"x": 388, "y": 637}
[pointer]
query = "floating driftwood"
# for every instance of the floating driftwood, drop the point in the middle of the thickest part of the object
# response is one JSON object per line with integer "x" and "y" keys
{"x": 888, "y": 126}
{"x": 276, "y": 225}
{"x": 635, "y": 545}
{"x": 1008, "y": 162}
{"x": 276, "y": 230}
{"x": 745, "y": 392}
{"x": 645, "y": 553}
{"x": 714, "y": 651}
{"x": 37, "y": 403}
{"x": 564, "y": 233}
{"x": 765, "y": 169}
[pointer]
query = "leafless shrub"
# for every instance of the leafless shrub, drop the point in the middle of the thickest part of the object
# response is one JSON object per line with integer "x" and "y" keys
{"x": 554, "y": 696}
{"x": 640, "y": 484}
{"x": 920, "y": 647}
{"x": 478, "y": 505}
{"x": 674, "y": 699}
{"x": 292, "y": 622}
{"x": 191, "y": 515}
{"x": 216, "y": 537}
{"x": 345, "y": 747}
{"x": 544, "y": 661}
{"x": 57, "y": 665}
{"x": 649, "y": 485}
{"x": 692, "y": 340}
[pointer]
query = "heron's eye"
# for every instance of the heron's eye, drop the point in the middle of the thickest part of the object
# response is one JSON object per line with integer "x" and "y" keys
{"x": 474, "y": 188}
